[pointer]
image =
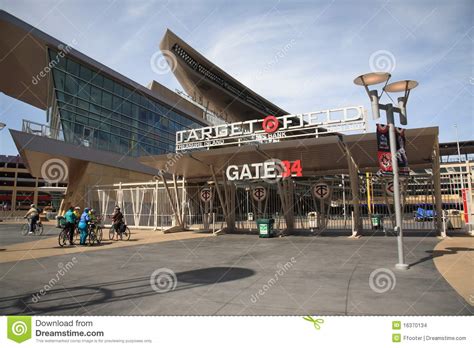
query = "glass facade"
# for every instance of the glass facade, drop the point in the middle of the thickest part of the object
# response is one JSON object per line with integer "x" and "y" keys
{"x": 99, "y": 112}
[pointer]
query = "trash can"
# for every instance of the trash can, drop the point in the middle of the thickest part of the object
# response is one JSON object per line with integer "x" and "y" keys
{"x": 377, "y": 222}
{"x": 313, "y": 219}
{"x": 265, "y": 228}
{"x": 60, "y": 221}
{"x": 454, "y": 219}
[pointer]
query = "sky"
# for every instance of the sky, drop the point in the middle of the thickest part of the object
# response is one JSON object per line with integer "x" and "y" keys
{"x": 300, "y": 55}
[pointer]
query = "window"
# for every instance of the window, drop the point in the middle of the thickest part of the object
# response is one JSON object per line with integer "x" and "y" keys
{"x": 107, "y": 100}
{"x": 71, "y": 85}
{"x": 86, "y": 73}
{"x": 72, "y": 67}
{"x": 116, "y": 103}
{"x": 127, "y": 108}
{"x": 108, "y": 84}
{"x": 84, "y": 91}
{"x": 97, "y": 79}
{"x": 59, "y": 79}
{"x": 83, "y": 105}
{"x": 118, "y": 89}
{"x": 96, "y": 95}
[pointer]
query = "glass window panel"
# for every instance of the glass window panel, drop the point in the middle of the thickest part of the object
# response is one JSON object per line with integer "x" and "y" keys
{"x": 94, "y": 108}
{"x": 59, "y": 79}
{"x": 142, "y": 116}
{"x": 127, "y": 93}
{"x": 114, "y": 130}
{"x": 72, "y": 67}
{"x": 97, "y": 79}
{"x": 136, "y": 98}
{"x": 82, "y": 120}
{"x": 60, "y": 96}
{"x": 96, "y": 95}
{"x": 94, "y": 123}
{"x": 127, "y": 108}
{"x": 105, "y": 127}
{"x": 125, "y": 120}
{"x": 84, "y": 91}
{"x": 118, "y": 89}
{"x": 60, "y": 61}
{"x": 135, "y": 111}
{"x": 71, "y": 85}
{"x": 106, "y": 100}
{"x": 108, "y": 84}
{"x": 116, "y": 103}
{"x": 83, "y": 104}
{"x": 86, "y": 73}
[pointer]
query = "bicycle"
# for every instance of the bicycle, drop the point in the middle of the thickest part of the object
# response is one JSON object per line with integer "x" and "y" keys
{"x": 63, "y": 237}
{"x": 125, "y": 235}
{"x": 94, "y": 233}
{"x": 37, "y": 228}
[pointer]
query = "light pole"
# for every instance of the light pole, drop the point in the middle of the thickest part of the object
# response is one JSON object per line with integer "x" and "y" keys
{"x": 405, "y": 86}
{"x": 460, "y": 162}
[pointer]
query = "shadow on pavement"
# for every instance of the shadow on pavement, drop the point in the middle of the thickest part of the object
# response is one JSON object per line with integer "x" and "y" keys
{"x": 60, "y": 299}
{"x": 439, "y": 253}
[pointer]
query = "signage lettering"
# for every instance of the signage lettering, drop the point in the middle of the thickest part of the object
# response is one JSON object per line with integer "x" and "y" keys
{"x": 272, "y": 129}
{"x": 265, "y": 170}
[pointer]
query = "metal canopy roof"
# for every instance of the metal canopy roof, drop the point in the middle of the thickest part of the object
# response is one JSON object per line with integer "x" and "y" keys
{"x": 218, "y": 98}
{"x": 324, "y": 155}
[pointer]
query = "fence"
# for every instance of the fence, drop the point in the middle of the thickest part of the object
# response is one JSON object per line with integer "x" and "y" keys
{"x": 146, "y": 205}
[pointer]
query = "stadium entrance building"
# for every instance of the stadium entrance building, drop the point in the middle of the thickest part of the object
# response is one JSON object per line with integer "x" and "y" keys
{"x": 218, "y": 156}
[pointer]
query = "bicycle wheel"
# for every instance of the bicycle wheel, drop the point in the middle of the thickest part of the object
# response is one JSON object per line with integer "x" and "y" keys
{"x": 126, "y": 234}
{"x": 39, "y": 229}
{"x": 91, "y": 237}
{"x": 25, "y": 229}
{"x": 98, "y": 234}
{"x": 77, "y": 235}
{"x": 111, "y": 233}
{"x": 63, "y": 238}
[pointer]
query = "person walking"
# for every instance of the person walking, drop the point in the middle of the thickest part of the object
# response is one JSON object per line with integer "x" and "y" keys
{"x": 83, "y": 221}
{"x": 70, "y": 224}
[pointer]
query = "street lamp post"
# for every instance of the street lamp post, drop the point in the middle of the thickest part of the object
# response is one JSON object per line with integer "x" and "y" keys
{"x": 367, "y": 80}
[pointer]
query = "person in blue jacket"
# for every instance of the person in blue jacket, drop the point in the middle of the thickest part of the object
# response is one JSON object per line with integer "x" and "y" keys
{"x": 83, "y": 221}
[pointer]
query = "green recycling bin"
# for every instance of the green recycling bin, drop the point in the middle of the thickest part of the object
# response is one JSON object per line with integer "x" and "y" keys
{"x": 377, "y": 222}
{"x": 265, "y": 228}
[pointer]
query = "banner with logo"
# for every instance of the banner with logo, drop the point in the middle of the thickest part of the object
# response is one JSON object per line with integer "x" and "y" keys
{"x": 384, "y": 155}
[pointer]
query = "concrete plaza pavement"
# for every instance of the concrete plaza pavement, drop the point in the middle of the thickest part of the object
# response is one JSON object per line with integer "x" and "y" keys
{"x": 235, "y": 275}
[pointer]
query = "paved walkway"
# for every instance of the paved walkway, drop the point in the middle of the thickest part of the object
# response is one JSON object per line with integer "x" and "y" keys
{"x": 233, "y": 275}
{"x": 46, "y": 246}
{"x": 454, "y": 259}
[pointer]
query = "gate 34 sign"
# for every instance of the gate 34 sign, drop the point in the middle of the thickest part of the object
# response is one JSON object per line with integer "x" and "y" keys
{"x": 271, "y": 169}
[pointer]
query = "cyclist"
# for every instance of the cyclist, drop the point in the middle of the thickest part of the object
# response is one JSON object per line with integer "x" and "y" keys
{"x": 70, "y": 224}
{"x": 93, "y": 216}
{"x": 117, "y": 220}
{"x": 83, "y": 221}
{"x": 33, "y": 215}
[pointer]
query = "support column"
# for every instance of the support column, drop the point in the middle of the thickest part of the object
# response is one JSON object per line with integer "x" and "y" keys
{"x": 225, "y": 207}
{"x": 354, "y": 181}
{"x": 285, "y": 191}
{"x": 437, "y": 189}
{"x": 173, "y": 206}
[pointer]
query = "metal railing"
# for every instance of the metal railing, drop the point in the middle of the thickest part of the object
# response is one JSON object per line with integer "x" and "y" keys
{"x": 42, "y": 130}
